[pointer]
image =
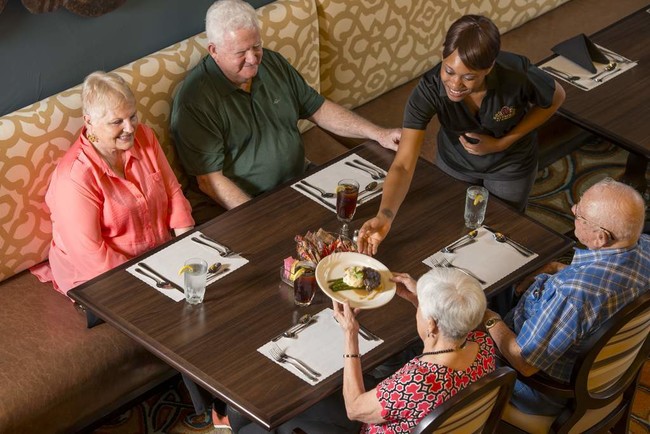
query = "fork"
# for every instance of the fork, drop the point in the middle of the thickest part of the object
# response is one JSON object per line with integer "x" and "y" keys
{"x": 227, "y": 250}
{"x": 282, "y": 357}
{"x": 445, "y": 263}
{"x": 322, "y": 192}
{"x": 372, "y": 173}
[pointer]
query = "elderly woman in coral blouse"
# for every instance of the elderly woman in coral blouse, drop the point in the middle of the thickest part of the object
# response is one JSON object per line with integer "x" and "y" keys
{"x": 113, "y": 195}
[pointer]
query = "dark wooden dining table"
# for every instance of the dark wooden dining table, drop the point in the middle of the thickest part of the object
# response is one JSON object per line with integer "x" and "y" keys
{"x": 618, "y": 109}
{"x": 215, "y": 343}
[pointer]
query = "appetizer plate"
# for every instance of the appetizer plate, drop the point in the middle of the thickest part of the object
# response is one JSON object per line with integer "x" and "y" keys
{"x": 333, "y": 266}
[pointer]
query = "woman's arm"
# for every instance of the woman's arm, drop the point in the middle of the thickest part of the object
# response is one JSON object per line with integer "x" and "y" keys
{"x": 396, "y": 186}
{"x": 535, "y": 117}
{"x": 359, "y": 404}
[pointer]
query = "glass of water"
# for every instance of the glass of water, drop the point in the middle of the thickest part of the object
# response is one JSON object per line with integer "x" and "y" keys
{"x": 475, "y": 206}
{"x": 195, "y": 280}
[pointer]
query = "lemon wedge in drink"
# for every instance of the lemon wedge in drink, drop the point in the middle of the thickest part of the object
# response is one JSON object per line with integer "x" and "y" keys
{"x": 185, "y": 268}
{"x": 478, "y": 199}
{"x": 298, "y": 268}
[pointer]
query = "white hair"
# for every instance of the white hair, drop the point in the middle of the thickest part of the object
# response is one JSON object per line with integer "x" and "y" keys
{"x": 453, "y": 299}
{"x": 103, "y": 91}
{"x": 227, "y": 16}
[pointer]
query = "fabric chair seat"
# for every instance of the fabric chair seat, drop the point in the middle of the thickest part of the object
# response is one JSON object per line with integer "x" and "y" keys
{"x": 538, "y": 424}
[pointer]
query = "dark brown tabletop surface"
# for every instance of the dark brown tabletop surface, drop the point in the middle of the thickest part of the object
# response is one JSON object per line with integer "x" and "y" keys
{"x": 216, "y": 342}
{"x": 619, "y": 109}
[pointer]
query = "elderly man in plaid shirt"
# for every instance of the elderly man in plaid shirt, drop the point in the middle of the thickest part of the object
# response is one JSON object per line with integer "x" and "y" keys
{"x": 564, "y": 304}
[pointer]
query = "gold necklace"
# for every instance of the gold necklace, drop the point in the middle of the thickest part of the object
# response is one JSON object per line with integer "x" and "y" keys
{"x": 448, "y": 350}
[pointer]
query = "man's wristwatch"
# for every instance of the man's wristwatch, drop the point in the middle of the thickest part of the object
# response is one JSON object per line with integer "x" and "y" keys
{"x": 491, "y": 322}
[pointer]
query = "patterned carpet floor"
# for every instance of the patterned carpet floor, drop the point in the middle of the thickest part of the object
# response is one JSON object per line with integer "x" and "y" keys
{"x": 556, "y": 189}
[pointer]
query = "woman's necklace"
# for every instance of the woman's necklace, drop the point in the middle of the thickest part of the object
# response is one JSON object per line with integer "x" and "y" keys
{"x": 448, "y": 350}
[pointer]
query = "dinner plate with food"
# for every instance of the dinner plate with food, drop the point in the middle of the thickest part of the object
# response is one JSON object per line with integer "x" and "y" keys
{"x": 361, "y": 279}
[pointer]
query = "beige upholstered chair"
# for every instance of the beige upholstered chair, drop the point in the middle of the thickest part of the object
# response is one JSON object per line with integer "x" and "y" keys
{"x": 475, "y": 409}
{"x": 603, "y": 381}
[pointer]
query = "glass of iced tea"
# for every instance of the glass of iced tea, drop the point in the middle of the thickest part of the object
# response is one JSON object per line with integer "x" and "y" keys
{"x": 304, "y": 288}
{"x": 347, "y": 192}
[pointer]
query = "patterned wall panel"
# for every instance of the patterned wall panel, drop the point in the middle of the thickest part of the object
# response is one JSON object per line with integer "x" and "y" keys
{"x": 34, "y": 138}
{"x": 371, "y": 46}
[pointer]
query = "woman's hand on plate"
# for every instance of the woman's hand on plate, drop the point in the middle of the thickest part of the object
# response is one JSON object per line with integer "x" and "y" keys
{"x": 406, "y": 287}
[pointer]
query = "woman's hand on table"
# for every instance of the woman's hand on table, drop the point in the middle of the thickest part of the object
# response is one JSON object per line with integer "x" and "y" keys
{"x": 372, "y": 233}
{"x": 406, "y": 287}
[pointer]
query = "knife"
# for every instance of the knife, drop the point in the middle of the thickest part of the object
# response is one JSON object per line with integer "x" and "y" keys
{"x": 315, "y": 195}
{"x": 363, "y": 163}
{"x": 160, "y": 276}
{"x": 367, "y": 334}
{"x": 524, "y": 250}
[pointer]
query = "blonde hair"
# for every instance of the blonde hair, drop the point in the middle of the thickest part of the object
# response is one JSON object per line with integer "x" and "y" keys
{"x": 102, "y": 91}
{"x": 226, "y": 16}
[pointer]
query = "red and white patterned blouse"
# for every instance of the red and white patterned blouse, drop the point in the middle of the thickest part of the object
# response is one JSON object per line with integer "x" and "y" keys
{"x": 418, "y": 387}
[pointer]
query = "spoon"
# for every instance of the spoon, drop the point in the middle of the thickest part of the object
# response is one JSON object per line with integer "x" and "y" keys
{"x": 503, "y": 239}
{"x": 214, "y": 268}
{"x": 467, "y": 239}
{"x": 372, "y": 185}
{"x": 303, "y": 322}
{"x": 159, "y": 283}
{"x": 610, "y": 66}
{"x": 322, "y": 192}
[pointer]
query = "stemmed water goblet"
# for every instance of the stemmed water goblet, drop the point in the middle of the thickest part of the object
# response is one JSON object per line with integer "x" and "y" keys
{"x": 347, "y": 192}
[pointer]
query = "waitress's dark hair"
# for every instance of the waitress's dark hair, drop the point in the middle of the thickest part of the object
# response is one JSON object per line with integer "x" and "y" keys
{"x": 477, "y": 40}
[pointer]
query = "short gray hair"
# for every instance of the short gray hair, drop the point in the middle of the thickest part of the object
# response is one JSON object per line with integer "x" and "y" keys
{"x": 453, "y": 299}
{"x": 226, "y": 16}
{"x": 619, "y": 208}
{"x": 102, "y": 91}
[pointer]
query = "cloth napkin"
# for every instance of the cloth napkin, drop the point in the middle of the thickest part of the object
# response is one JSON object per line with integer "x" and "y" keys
{"x": 168, "y": 261}
{"x": 582, "y": 51}
{"x": 328, "y": 179}
{"x": 320, "y": 346}
{"x": 486, "y": 258}
{"x": 567, "y": 68}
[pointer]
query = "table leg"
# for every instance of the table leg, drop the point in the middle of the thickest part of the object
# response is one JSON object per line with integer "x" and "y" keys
{"x": 635, "y": 172}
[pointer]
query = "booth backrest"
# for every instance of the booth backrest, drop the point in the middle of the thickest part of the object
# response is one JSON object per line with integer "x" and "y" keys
{"x": 370, "y": 47}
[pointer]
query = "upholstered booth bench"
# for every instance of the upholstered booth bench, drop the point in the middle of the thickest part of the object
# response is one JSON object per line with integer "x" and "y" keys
{"x": 59, "y": 376}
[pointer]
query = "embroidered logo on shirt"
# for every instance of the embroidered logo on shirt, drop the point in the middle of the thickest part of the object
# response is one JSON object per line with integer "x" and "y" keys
{"x": 505, "y": 113}
{"x": 276, "y": 100}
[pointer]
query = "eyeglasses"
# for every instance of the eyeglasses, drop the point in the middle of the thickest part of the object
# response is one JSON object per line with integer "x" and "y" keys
{"x": 578, "y": 216}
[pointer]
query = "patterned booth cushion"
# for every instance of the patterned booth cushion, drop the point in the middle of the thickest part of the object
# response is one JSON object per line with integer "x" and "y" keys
{"x": 35, "y": 137}
{"x": 369, "y": 47}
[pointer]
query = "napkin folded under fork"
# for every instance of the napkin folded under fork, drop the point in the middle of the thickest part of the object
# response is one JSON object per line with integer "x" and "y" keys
{"x": 486, "y": 258}
{"x": 328, "y": 178}
{"x": 171, "y": 259}
{"x": 320, "y": 346}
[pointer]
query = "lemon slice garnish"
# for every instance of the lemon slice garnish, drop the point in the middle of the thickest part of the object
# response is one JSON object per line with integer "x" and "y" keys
{"x": 185, "y": 268}
{"x": 478, "y": 199}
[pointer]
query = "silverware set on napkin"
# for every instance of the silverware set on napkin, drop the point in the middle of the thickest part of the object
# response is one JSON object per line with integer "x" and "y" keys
{"x": 376, "y": 174}
{"x": 224, "y": 251}
{"x": 444, "y": 263}
{"x": 281, "y": 356}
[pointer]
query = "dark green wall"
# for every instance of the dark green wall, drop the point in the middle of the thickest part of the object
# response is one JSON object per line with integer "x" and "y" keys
{"x": 43, "y": 54}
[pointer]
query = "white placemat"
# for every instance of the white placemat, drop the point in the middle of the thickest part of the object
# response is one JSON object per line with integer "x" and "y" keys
{"x": 320, "y": 346}
{"x": 486, "y": 258}
{"x": 171, "y": 259}
{"x": 584, "y": 81}
{"x": 328, "y": 179}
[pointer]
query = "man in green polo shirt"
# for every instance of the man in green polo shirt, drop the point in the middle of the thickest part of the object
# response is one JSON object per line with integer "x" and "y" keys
{"x": 234, "y": 118}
